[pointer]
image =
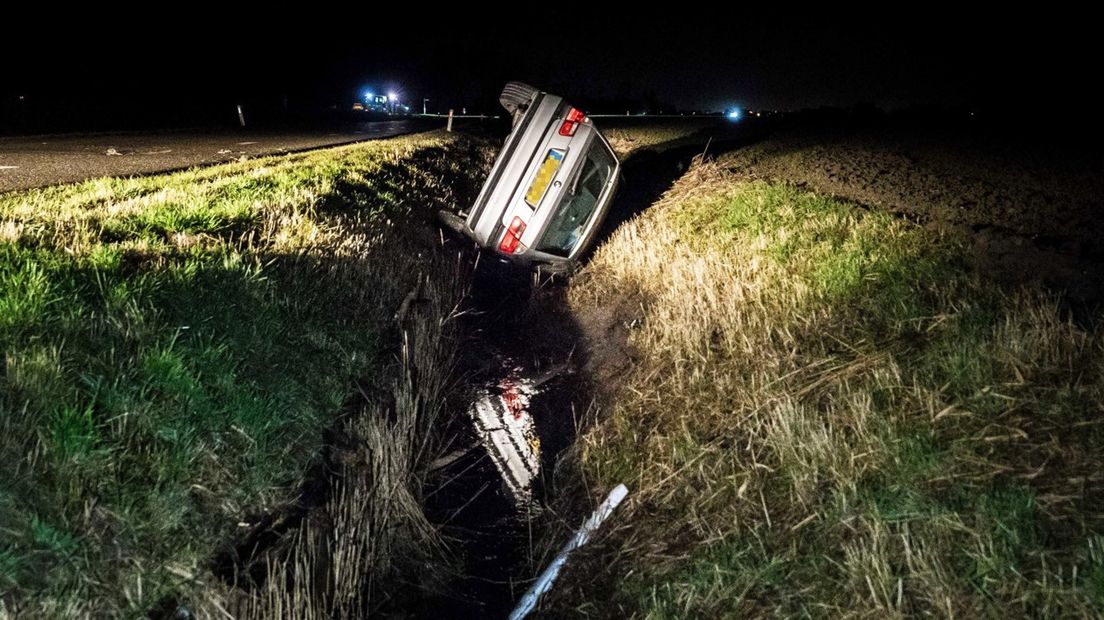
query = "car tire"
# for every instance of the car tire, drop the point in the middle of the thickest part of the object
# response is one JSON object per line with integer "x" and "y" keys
{"x": 452, "y": 221}
{"x": 516, "y": 96}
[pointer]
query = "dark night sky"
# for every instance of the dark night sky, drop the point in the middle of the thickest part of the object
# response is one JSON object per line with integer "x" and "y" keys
{"x": 699, "y": 59}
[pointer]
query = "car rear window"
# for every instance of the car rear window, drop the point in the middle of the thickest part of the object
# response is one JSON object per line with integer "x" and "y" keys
{"x": 570, "y": 220}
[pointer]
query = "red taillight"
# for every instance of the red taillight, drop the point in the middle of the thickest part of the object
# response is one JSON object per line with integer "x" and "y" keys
{"x": 512, "y": 237}
{"x": 571, "y": 123}
{"x": 509, "y": 244}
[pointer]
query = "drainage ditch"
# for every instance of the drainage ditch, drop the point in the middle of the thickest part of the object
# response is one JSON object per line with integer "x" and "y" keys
{"x": 527, "y": 380}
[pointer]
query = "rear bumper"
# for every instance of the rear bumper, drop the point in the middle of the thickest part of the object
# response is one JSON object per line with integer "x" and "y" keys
{"x": 457, "y": 225}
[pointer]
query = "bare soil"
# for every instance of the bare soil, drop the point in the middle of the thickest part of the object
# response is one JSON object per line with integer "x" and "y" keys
{"x": 1030, "y": 205}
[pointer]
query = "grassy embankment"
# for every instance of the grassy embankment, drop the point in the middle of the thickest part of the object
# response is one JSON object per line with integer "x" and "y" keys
{"x": 829, "y": 415}
{"x": 629, "y": 135}
{"x": 174, "y": 345}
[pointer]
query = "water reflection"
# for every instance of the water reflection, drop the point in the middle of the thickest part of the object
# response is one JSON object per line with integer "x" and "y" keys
{"x": 506, "y": 429}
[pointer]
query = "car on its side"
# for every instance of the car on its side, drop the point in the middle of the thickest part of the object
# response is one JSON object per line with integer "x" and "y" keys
{"x": 549, "y": 189}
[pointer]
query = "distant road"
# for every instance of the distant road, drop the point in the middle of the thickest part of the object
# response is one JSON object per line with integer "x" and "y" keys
{"x": 37, "y": 161}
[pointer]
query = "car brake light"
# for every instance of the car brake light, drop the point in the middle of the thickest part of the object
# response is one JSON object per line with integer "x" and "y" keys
{"x": 571, "y": 123}
{"x": 509, "y": 244}
{"x": 512, "y": 237}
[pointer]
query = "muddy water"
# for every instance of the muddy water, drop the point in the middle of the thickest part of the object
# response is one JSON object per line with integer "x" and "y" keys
{"x": 525, "y": 387}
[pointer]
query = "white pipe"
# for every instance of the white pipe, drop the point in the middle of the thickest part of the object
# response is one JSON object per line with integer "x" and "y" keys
{"x": 544, "y": 582}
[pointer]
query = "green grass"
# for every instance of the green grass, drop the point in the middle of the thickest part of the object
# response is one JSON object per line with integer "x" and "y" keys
{"x": 174, "y": 345}
{"x": 829, "y": 415}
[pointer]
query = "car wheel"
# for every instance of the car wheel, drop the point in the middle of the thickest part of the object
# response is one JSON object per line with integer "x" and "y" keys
{"x": 453, "y": 222}
{"x": 516, "y": 96}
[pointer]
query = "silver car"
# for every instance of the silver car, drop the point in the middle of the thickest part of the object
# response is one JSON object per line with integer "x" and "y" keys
{"x": 549, "y": 189}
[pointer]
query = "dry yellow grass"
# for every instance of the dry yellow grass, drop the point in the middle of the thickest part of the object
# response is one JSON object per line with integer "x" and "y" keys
{"x": 373, "y": 532}
{"x": 628, "y": 136}
{"x": 829, "y": 416}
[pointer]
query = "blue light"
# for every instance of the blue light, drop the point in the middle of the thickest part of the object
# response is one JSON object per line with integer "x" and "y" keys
{"x": 734, "y": 114}
{"x": 368, "y": 96}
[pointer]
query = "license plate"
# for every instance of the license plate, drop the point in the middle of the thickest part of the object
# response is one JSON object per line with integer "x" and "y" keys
{"x": 547, "y": 170}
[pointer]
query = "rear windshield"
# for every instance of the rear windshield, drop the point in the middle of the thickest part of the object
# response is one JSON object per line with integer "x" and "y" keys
{"x": 570, "y": 220}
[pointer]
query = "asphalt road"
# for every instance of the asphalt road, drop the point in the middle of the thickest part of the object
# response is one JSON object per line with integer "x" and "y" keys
{"x": 37, "y": 161}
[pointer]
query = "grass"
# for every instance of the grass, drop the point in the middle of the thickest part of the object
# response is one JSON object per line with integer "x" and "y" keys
{"x": 173, "y": 346}
{"x": 829, "y": 415}
{"x": 372, "y": 549}
{"x": 629, "y": 135}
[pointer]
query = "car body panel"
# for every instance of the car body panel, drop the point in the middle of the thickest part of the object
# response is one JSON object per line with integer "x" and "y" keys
{"x": 507, "y": 192}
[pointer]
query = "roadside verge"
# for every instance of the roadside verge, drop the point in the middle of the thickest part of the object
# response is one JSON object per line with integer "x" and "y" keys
{"x": 175, "y": 345}
{"x": 826, "y": 411}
